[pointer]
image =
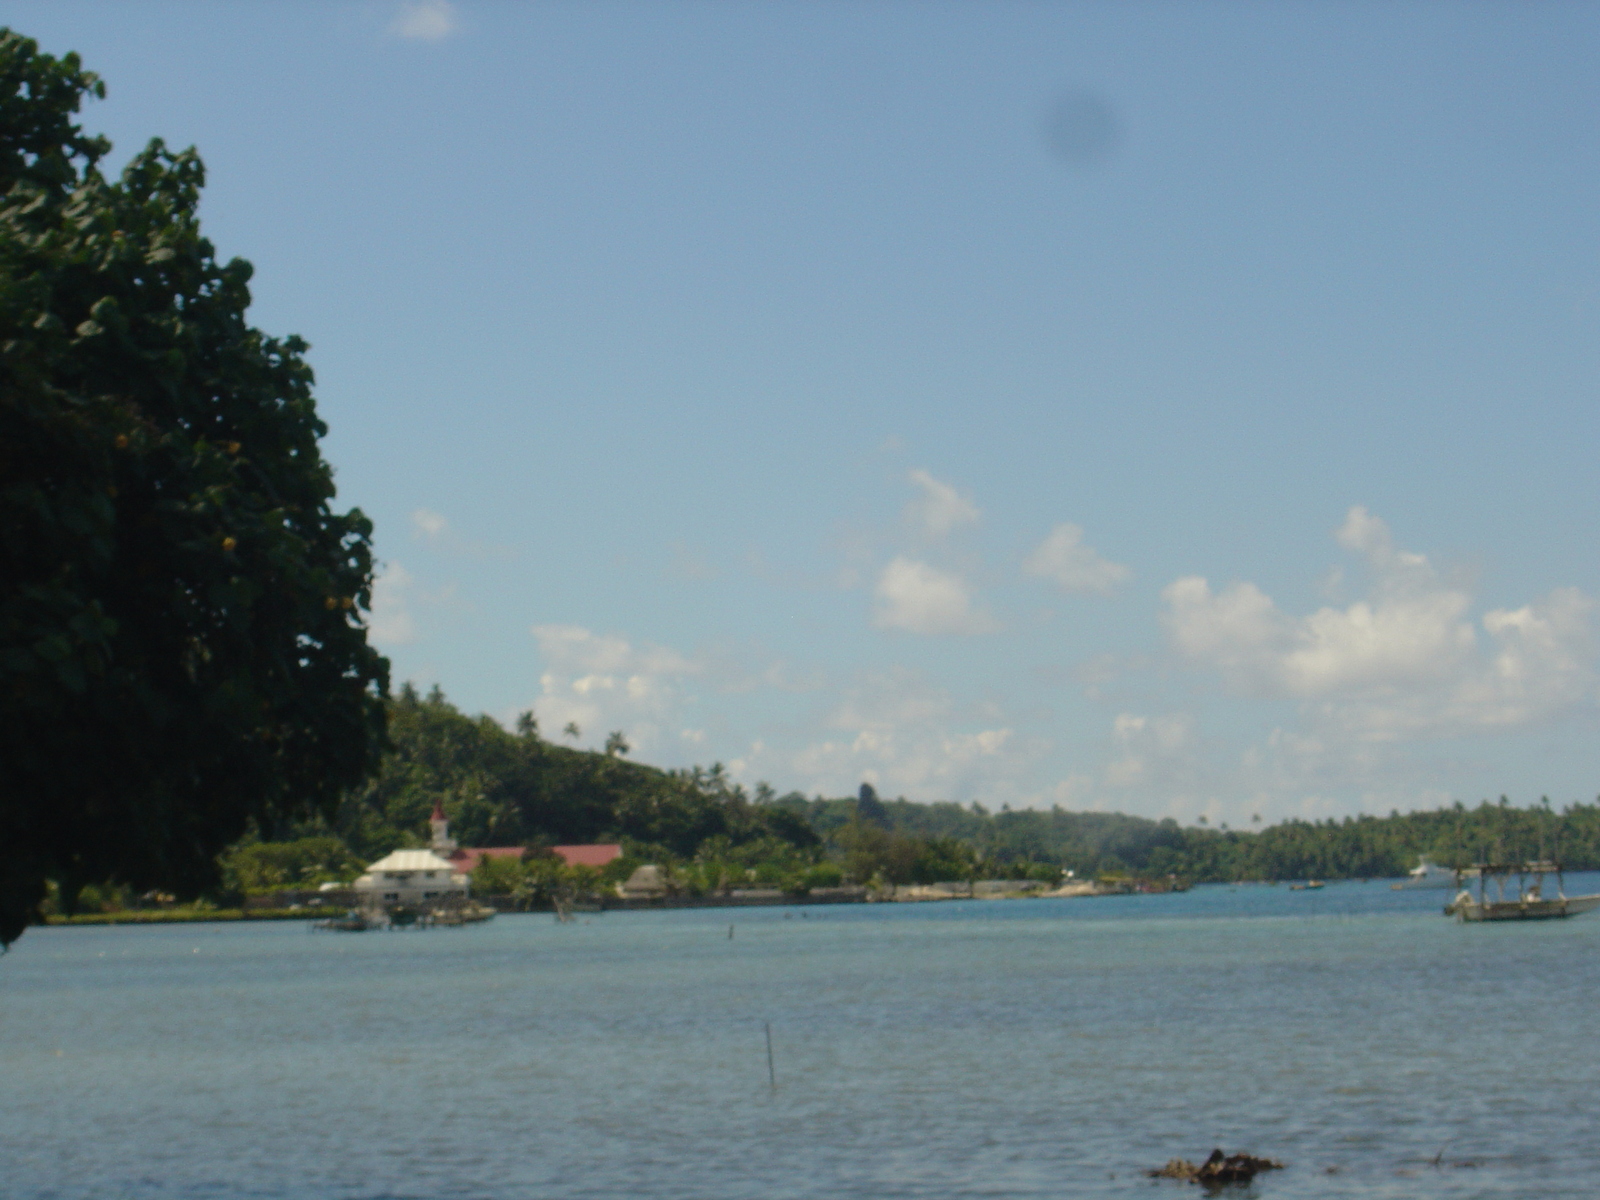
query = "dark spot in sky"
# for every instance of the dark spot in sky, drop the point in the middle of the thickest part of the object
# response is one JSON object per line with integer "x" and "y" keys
{"x": 1082, "y": 129}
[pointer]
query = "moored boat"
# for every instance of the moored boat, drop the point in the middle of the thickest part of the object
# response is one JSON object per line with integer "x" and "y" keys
{"x": 469, "y": 913}
{"x": 354, "y": 921}
{"x": 1428, "y": 874}
{"x": 1528, "y": 902}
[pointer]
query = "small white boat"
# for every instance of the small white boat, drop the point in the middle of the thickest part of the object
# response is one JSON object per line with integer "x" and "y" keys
{"x": 1528, "y": 903}
{"x": 1428, "y": 874}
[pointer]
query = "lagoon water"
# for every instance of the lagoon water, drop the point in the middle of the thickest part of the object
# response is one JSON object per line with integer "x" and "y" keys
{"x": 975, "y": 1049}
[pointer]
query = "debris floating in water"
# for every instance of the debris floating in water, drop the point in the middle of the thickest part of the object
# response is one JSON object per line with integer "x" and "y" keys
{"x": 1219, "y": 1168}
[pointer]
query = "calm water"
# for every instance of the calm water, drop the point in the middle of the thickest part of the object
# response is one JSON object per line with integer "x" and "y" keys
{"x": 1004, "y": 1049}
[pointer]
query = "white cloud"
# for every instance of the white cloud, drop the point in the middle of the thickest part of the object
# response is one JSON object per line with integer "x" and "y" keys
{"x": 390, "y": 622}
{"x": 603, "y": 682}
{"x": 1074, "y": 791}
{"x": 1369, "y": 536}
{"x": 940, "y": 509}
{"x": 904, "y": 735}
{"x": 917, "y": 598}
{"x": 574, "y": 646}
{"x": 1147, "y": 747}
{"x": 427, "y": 524}
{"x": 426, "y": 21}
{"x": 1239, "y": 631}
{"x": 1075, "y": 567}
{"x": 888, "y": 700}
{"x": 439, "y": 534}
{"x": 1406, "y": 661}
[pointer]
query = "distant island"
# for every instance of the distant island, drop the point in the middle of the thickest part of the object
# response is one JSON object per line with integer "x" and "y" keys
{"x": 708, "y": 835}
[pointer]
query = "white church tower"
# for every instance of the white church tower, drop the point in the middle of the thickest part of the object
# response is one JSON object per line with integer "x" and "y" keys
{"x": 442, "y": 843}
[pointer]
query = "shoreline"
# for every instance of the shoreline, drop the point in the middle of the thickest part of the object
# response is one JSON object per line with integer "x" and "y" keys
{"x": 740, "y": 898}
{"x": 166, "y": 916}
{"x": 752, "y": 898}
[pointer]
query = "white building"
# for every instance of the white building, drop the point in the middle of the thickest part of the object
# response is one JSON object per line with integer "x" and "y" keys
{"x": 646, "y": 883}
{"x": 410, "y": 877}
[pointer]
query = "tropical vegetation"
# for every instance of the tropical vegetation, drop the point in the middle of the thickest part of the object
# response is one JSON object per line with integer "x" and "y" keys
{"x": 182, "y": 652}
{"x": 708, "y": 834}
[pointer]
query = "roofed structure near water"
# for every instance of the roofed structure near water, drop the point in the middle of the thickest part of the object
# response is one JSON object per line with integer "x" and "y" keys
{"x": 464, "y": 858}
{"x": 411, "y": 877}
{"x": 597, "y": 855}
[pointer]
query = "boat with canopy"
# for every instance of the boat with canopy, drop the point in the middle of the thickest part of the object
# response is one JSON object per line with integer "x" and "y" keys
{"x": 1527, "y": 901}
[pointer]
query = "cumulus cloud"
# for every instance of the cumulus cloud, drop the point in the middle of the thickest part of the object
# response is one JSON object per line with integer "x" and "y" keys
{"x": 426, "y": 21}
{"x": 429, "y": 525}
{"x": 390, "y": 622}
{"x": 1075, "y": 791}
{"x": 1369, "y": 536}
{"x": 917, "y": 598}
{"x": 1407, "y": 660}
{"x": 940, "y": 509}
{"x": 885, "y": 701}
{"x": 1073, "y": 566}
{"x": 1146, "y": 747}
{"x": 435, "y": 530}
{"x": 603, "y": 682}
{"x": 899, "y": 732}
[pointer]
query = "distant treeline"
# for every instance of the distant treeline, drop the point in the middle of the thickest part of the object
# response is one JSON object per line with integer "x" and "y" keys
{"x": 502, "y": 787}
{"x": 1350, "y": 848}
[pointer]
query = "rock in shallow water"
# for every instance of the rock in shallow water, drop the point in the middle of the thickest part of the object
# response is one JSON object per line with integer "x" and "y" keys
{"x": 1219, "y": 1168}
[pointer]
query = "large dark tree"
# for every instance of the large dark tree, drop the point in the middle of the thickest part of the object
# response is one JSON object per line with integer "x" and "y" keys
{"x": 181, "y": 646}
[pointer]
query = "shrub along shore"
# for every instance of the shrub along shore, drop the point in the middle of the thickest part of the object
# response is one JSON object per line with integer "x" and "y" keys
{"x": 178, "y": 916}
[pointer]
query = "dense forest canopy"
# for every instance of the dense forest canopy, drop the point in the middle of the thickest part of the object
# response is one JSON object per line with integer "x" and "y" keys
{"x": 182, "y": 649}
{"x": 502, "y": 787}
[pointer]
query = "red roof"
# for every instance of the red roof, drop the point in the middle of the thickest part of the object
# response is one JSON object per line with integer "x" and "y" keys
{"x": 468, "y": 857}
{"x": 438, "y": 812}
{"x": 588, "y": 856}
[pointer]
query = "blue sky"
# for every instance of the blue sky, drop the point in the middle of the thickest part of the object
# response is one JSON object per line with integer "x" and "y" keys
{"x": 1174, "y": 409}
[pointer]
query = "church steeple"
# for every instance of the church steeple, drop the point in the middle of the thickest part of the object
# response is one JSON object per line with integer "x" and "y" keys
{"x": 442, "y": 842}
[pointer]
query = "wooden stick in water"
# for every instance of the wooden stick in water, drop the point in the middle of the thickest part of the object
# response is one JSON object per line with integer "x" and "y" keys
{"x": 772, "y": 1074}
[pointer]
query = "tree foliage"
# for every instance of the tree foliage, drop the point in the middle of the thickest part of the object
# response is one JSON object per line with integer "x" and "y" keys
{"x": 257, "y": 868}
{"x": 181, "y": 650}
{"x": 709, "y": 834}
{"x": 500, "y": 788}
{"x": 538, "y": 879}
{"x": 1013, "y": 844}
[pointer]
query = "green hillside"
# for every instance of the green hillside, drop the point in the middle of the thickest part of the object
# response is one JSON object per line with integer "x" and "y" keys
{"x": 520, "y": 788}
{"x": 500, "y": 787}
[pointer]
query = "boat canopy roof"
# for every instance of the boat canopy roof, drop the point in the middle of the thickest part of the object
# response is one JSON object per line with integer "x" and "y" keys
{"x": 1534, "y": 867}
